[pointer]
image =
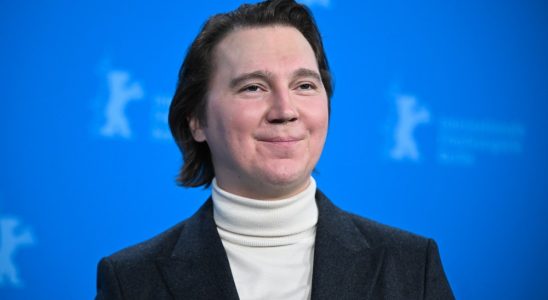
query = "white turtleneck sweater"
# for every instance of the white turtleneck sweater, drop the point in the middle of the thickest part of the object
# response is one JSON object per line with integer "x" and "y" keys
{"x": 269, "y": 243}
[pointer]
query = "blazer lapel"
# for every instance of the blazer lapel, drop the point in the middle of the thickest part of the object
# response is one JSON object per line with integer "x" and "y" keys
{"x": 345, "y": 265}
{"x": 198, "y": 267}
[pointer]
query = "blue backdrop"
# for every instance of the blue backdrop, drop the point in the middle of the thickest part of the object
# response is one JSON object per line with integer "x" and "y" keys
{"x": 438, "y": 127}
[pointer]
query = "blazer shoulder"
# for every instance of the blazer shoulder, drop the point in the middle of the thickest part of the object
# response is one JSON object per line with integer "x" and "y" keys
{"x": 409, "y": 258}
{"x": 139, "y": 271}
{"x": 373, "y": 233}
{"x": 160, "y": 245}
{"x": 131, "y": 273}
{"x": 386, "y": 236}
{"x": 397, "y": 263}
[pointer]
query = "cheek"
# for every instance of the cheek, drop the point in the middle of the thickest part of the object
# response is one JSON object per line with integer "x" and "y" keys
{"x": 318, "y": 117}
{"x": 217, "y": 120}
{"x": 232, "y": 122}
{"x": 321, "y": 123}
{"x": 317, "y": 122}
{"x": 244, "y": 116}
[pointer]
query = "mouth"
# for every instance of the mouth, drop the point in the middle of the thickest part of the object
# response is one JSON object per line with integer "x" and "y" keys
{"x": 281, "y": 139}
{"x": 282, "y": 147}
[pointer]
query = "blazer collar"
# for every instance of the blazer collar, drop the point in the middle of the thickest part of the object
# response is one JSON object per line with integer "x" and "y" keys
{"x": 346, "y": 266}
{"x": 198, "y": 267}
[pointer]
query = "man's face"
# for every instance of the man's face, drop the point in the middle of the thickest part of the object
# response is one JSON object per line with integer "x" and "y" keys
{"x": 267, "y": 114}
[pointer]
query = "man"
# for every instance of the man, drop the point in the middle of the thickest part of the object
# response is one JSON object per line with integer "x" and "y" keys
{"x": 250, "y": 115}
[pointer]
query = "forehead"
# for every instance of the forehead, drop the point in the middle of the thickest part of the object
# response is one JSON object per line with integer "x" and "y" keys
{"x": 272, "y": 48}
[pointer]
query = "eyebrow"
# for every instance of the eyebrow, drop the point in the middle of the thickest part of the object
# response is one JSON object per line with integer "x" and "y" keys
{"x": 303, "y": 72}
{"x": 267, "y": 76}
{"x": 263, "y": 75}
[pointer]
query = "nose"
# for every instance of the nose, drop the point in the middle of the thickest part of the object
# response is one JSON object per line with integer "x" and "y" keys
{"x": 282, "y": 109}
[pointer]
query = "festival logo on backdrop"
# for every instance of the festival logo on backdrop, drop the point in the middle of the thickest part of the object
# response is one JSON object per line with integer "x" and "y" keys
{"x": 111, "y": 118}
{"x": 410, "y": 115}
{"x": 13, "y": 237}
{"x": 457, "y": 140}
{"x": 463, "y": 141}
{"x": 122, "y": 91}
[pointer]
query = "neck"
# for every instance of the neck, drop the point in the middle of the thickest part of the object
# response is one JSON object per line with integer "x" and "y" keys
{"x": 261, "y": 191}
{"x": 252, "y": 217}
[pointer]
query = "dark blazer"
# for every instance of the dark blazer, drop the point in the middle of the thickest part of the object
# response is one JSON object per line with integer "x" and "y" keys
{"x": 354, "y": 258}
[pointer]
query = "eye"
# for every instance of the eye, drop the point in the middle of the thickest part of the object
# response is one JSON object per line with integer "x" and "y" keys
{"x": 251, "y": 88}
{"x": 306, "y": 86}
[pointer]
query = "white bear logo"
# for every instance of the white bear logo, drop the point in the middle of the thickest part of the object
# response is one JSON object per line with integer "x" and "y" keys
{"x": 409, "y": 117}
{"x": 11, "y": 239}
{"x": 121, "y": 93}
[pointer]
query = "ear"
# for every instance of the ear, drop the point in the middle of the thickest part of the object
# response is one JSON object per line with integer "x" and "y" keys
{"x": 196, "y": 130}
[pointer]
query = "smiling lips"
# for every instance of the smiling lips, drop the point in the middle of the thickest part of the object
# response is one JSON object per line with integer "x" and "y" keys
{"x": 281, "y": 143}
{"x": 281, "y": 140}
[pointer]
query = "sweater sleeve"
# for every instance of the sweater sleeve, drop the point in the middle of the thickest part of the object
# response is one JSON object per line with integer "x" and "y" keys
{"x": 108, "y": 287}
{"x": 436, "y": 285}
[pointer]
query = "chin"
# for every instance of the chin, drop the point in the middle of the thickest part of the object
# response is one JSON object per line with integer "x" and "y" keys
{"x": 286, "y": 179}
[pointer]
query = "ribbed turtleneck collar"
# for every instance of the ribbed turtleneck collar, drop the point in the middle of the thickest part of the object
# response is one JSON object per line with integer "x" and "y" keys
{"x": 265, "y": 218}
